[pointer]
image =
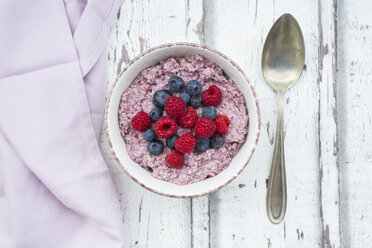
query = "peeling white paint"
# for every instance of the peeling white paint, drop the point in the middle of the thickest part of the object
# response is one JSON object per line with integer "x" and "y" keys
{"x": 327, "y": 127}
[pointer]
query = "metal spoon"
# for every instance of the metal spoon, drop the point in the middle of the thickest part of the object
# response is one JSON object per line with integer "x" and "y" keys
{"x": 283, "y": 59}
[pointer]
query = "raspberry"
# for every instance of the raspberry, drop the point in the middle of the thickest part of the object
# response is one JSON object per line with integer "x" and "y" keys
{"x": 174, "y": 159}
{"x": 222, "y": 122}
{"x": 175, "y": 106}
{"x": 141, "y": 121}
{"x": 205, "y": 127}
{"x": 188, "y": 119}
{"x": 185, "y": 143}
{"x": 212, "y": 96}
{"x": 165, "y": 127}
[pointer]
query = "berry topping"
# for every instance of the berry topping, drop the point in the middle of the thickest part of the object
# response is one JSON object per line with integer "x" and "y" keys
{"x": 176, "y": 84}
{"x": 217, "y": 141}
{"x": 171, "y": 140}
{"x": 193, "y": 88}
{"x": 174, "y": 159}
{"x": 196, "y": 101}
{"x": 141, "y": 121}
{"x": 222, "y": 122}
{"x": 212, "y": 96}
{"x": 155, "y": 147}
{"x": 160, "y": 97}
{"x": 156, "y": 113}
{"x": 165, "y": 127}
{"x": 149, "y": 135}
{"x": 210, "y": 112}
{"x": 202, "y": 144}
{"x": 189, "y": 119}
{"x": 208, "y": 129}
{"x": 185, "y": 97}
{"x": 175, "y": 106}
{"x": 205, "y": 127}
{"x": 185, "y": 143}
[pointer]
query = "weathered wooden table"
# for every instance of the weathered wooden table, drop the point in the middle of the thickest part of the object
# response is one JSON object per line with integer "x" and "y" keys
{"x": 328, "y": 126}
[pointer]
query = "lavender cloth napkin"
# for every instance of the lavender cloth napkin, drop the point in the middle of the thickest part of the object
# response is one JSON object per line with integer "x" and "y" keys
{"x": 55, "y": 189}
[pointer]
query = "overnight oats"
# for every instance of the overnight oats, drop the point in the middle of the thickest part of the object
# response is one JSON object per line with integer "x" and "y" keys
{"x": 183, "y": 120}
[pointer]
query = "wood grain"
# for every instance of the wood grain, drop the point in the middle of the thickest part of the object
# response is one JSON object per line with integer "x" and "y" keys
{"x": 151, "y": 220}
{"x": 238, "y": 214}
{"x": 329, "y": 184}
{"x": 327, "y": 127}
{"x": 354, "y": 76}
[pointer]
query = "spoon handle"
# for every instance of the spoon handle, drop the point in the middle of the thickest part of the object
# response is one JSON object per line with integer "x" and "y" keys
{"x": 276, "y": 199}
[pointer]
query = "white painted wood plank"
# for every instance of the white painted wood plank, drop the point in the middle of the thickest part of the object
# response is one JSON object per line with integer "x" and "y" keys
{"x": 354, "y": 78}
{"x": 151, "y": 220}
{"x": 328, "y": 138}
{"x": 200, "y": 222}
{"x": 238, "y": 215}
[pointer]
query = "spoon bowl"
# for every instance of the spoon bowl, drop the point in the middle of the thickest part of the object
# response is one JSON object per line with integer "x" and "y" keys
{"x": 283, "y": 59}
{"x": 283, "y": 56}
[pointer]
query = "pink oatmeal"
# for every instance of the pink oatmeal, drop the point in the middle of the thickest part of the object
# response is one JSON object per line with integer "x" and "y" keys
{"x": 197, "y": 166}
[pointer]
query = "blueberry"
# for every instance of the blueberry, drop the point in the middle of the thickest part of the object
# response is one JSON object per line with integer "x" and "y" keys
{"x": 217, "y": 141}
{"x": 149, "y": 135}
{"x": 202, "y": 144}
{"x": 160, "y": 97}
{"x": 210, "y": 112}
{"x": 185, "y": 97}
{"x": 196, "y": 101}
{"x": 156, "y": 113}
{"x": 193, "y": 88}
{"x": 176, "y": 84}
{"x": 155, "y": 147}
{"x": 171, "y": 140}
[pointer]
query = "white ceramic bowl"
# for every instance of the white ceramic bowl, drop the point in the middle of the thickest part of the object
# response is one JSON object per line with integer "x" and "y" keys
{"x": 142, "y": 176}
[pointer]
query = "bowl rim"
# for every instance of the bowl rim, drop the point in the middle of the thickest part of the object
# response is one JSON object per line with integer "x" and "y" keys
{"x": 190, "y": 44}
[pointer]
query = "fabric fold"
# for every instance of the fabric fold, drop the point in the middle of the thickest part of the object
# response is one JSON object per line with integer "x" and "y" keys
{"x": 90, "y": 35}
{"x": 55, "y": 189}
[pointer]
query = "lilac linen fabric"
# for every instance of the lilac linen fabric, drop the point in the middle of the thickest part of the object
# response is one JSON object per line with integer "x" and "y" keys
{"x": 55, "y": 189}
